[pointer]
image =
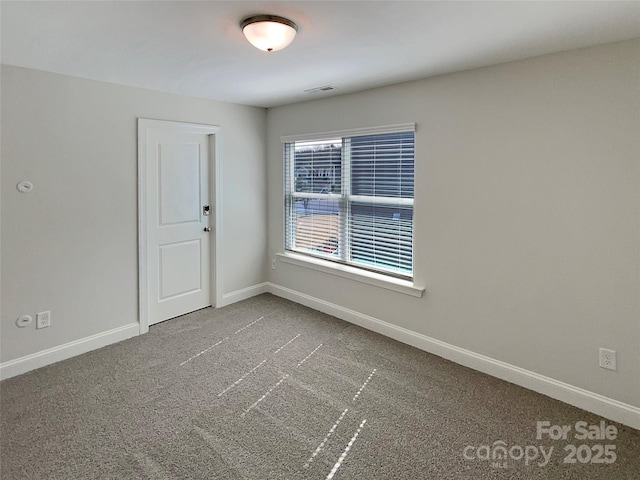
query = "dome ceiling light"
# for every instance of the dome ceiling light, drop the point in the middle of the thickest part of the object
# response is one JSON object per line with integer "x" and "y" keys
{"x": 269, "y": 32}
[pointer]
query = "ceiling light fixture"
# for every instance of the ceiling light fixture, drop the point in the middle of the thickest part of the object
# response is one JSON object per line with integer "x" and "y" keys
{"x": 269, "y": 32}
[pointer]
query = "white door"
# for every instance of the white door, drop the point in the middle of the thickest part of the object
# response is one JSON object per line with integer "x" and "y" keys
{"x": 178, "y": 220}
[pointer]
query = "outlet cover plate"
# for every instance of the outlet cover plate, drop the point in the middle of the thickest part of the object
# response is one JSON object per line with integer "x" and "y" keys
{"x": 608, "y": 359}
{"x": 43, "y": 319}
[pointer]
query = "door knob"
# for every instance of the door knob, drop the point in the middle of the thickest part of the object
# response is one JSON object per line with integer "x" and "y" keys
{"x": 207, "y": 229}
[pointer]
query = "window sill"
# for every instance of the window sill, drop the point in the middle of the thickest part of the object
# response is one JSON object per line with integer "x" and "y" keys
{"x": 371, "y": 278}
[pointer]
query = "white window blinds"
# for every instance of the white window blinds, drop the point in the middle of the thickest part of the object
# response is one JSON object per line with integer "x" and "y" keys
{"x": 349, "y": 199}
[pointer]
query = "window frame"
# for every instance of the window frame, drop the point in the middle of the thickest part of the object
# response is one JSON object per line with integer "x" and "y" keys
{"x": 345, "y": 199}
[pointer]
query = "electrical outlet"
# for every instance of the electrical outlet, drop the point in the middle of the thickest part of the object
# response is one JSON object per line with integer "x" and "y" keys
{"x": 43, "y": 319}
{"x": 608, "y": 359}
{"x": 273, "y": 263}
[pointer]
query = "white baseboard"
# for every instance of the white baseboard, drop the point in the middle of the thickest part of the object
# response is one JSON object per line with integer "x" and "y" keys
{"x": 27, "y": 363}
{"x": 578, "y": 397}
{"x": 62, "y": 352}
{"x": 243, "y": 294}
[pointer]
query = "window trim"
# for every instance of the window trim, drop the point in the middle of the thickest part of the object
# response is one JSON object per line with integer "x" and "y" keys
{"x": 354, "y": 271}
{"x": 354, "y": 132}
{"x": 381, "y": 280}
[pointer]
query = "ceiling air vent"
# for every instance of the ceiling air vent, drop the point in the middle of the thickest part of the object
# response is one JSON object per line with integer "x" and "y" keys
{"x": 326, "y": 88}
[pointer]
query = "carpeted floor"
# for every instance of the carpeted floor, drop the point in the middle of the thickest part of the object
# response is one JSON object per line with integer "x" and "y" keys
{"x": 268, "y": 389}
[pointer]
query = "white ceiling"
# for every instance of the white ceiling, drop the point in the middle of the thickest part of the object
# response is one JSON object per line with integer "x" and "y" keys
{"x": 197, "y": 48}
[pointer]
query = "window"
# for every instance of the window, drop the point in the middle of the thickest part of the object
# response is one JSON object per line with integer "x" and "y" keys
{"x": 349, "y": 198}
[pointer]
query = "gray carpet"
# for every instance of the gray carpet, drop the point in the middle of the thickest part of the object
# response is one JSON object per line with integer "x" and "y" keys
{"x": 268, "y": 389}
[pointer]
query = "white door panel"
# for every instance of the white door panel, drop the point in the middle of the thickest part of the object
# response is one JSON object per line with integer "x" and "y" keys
{"x": 178, "y": 245}
{"x": 179, "y": 179}
{"x": 179, "y": 269}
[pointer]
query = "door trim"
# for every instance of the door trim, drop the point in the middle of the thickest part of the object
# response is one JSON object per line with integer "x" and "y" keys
{"x": 215, "y": 182}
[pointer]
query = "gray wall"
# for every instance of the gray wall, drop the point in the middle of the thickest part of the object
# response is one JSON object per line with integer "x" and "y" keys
{"x": 70, "y": 246}
{"x": 527, "y": 231}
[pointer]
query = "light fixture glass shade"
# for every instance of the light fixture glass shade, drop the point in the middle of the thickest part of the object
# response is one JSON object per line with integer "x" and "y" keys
{"x": 268, "y": 32}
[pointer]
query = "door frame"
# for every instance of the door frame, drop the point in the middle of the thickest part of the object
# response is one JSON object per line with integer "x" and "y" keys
{"x": 215, "y": 187}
